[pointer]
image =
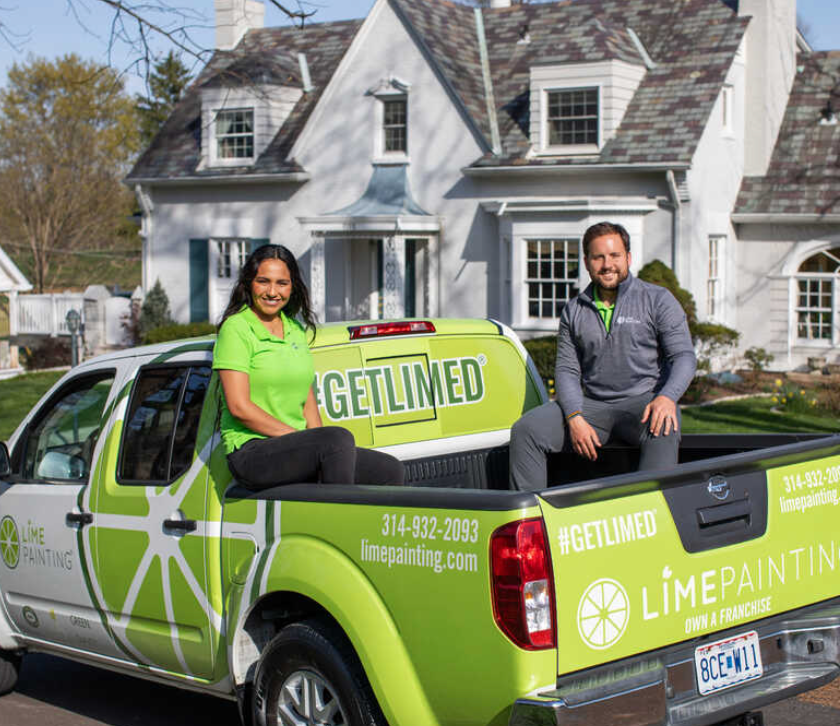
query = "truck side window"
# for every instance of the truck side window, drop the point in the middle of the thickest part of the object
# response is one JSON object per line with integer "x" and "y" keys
{"x": 162, "y": 424}
{"x": 60, "y": 441}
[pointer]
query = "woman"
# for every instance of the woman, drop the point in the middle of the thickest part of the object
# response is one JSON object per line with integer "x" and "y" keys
{"x": 271, "y": 428}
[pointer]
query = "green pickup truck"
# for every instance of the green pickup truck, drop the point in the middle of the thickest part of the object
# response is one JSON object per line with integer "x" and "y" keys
{"x": 689, "y": 596}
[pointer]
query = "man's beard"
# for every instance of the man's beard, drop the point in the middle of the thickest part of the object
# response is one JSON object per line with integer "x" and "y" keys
{"x": 620, "y": 277}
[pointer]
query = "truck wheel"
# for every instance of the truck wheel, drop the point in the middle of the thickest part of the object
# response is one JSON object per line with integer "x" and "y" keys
{"x": 309, "y": 675}
{"x": 9, "y": 667}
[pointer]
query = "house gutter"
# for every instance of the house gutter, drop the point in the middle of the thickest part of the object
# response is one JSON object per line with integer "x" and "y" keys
{"x": 748, "y": 218}
{"x": 290, "y": 178}
{"x": 489, "y": 96}
{"x": 147, "y": 207}
{"x": 525, "y": 169}
{"x": 676, "y": 223}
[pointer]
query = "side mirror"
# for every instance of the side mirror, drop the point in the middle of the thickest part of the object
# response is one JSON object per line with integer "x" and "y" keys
{"x": 5, "y": 461}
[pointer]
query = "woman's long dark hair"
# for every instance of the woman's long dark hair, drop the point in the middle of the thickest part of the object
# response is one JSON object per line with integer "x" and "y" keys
{"x": 298, "y": 304}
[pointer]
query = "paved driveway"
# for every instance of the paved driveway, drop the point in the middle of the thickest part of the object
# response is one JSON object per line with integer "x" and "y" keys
{"x": 57, "y": 692}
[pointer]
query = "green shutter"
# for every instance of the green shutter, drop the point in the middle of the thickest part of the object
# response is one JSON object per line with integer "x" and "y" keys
{"x": 199, "y": 280}
{"x": 257, "y": 243}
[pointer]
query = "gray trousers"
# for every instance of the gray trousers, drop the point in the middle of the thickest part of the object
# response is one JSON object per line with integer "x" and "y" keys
{"x": 543, "y": 430}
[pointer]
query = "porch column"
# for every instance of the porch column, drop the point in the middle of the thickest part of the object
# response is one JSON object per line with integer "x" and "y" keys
{"x": 394, "y": 273}
{"x": 317, "y": 278}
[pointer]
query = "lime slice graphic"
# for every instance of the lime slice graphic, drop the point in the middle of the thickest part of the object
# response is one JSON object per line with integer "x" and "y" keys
{"x": 9, "y": 542}
{"x": 603, "y": 613}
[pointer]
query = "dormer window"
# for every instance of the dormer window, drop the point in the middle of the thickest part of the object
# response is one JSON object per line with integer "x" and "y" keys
{"x": 235, "y": 134}
{"x": 238, "y": 124}
{"x": 395, "y": 125}
{"x": 572, "y": 117}
{"x": 576, "y": 108}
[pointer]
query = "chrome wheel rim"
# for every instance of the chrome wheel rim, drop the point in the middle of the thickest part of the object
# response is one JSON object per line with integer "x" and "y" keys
{"x": 307, "y": 699}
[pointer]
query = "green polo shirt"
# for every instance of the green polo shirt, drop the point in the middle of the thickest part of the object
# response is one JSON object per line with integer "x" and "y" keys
{"x": 280, "y": 371}
{"x": 605, "y": 310}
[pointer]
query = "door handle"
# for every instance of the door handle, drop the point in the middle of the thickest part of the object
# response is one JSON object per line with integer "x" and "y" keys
{"x": 80, "y": 518}
{"x": 180, "y": 525}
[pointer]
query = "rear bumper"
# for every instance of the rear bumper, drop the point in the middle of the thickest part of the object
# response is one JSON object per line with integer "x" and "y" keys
{"x": 800, "y": 651}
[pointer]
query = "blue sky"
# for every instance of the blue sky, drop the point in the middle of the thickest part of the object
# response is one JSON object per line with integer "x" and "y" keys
{"x": 49, "y": 28}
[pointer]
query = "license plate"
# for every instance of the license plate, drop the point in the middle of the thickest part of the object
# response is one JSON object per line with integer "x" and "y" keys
{"x": 726, "y": 663}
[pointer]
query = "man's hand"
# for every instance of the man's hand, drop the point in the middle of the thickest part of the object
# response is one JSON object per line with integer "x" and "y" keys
{"x": 662, "y": 414}
{"x": 584, "y": 439}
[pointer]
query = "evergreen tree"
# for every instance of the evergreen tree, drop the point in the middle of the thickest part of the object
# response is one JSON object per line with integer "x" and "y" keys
{"x": 167, "y": 83}
{"x": 155, "y": 310}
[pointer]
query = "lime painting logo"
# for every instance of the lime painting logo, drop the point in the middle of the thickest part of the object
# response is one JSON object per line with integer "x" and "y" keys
{"x": 603, "y": 613}
{"x": 402, "y": 386}
{"x": 9, "y": 542}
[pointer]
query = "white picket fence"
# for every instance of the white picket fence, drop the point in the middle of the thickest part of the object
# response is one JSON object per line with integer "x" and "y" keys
{"x": 45, "y": 314}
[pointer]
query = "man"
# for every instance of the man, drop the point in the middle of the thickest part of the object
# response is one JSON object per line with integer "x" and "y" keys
{"x": 624, "y": 359}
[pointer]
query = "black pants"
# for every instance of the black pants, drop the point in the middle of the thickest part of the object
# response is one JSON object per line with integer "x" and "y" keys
{"x": 328, "y": 455}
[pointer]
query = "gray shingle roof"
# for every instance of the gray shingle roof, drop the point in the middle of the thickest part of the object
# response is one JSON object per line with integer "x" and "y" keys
{"x": 267, "y": 55}
{"x": 804, "y": 172}
{"x": 693, "y": 43}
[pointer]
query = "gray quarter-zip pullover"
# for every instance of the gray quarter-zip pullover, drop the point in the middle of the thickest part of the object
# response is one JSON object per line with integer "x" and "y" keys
{"x": 648, "y": 348}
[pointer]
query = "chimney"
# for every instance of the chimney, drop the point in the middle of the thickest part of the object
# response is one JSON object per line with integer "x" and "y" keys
{"x": 770, "y": 71}
{"x": 499, "y": 3}
{"x": 234, "y": 18}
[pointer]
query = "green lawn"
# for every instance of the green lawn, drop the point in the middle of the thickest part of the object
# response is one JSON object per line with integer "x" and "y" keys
{"x": 18, "y": 395}
{"x": 754, "y": 415}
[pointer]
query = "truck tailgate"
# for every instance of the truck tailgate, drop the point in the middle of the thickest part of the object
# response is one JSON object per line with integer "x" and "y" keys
{"x": 710, "y": 546}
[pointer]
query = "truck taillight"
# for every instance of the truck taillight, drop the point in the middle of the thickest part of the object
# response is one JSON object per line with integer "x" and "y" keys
{"x": 379, "y": 330}
{"x": 522, "y": 584}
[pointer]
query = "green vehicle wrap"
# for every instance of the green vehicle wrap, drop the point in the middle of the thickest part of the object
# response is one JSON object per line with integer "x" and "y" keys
{"x": 626, "y": 584}
{"x": 405, "y": 573}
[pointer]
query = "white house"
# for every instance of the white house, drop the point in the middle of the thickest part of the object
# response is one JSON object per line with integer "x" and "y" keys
{"x": 437, "y": 159}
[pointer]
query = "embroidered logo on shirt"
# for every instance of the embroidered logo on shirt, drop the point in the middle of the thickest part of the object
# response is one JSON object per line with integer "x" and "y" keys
{"x": 629, "y": 320}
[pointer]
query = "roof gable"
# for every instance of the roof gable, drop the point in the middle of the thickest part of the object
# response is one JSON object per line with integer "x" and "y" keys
{"x": 693, "y": 44}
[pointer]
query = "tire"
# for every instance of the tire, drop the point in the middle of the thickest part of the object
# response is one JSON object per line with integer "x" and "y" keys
{"x": 9, "y": 669}
{"x": 309, "y": 675}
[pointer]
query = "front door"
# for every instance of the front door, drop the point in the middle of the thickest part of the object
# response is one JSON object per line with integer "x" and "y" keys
{"x": 362, "y": 274}
{"x": 45, "y": 533}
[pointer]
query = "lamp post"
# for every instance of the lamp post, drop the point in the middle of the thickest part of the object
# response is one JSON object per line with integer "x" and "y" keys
{"x": 73, "y": 320}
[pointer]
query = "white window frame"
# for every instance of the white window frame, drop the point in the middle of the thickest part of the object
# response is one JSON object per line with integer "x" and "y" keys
{"x": 215, "y": 159}
{"x": 390, "y": 89}
{"x": 587, "y": 148}
{"x": 386, "y": 126}
{"x": 527, "y": 280}
{"x": 821, "y": 278}
{"x": 715, "y": 278}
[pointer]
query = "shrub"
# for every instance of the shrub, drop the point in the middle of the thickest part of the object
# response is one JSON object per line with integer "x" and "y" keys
{"x": 176, "y": 331}
{"x": 155, "y": 310}
{"x": 51, "y": 353}
{"x": 758, "y": 359}
{"x": 544, "y": 352}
